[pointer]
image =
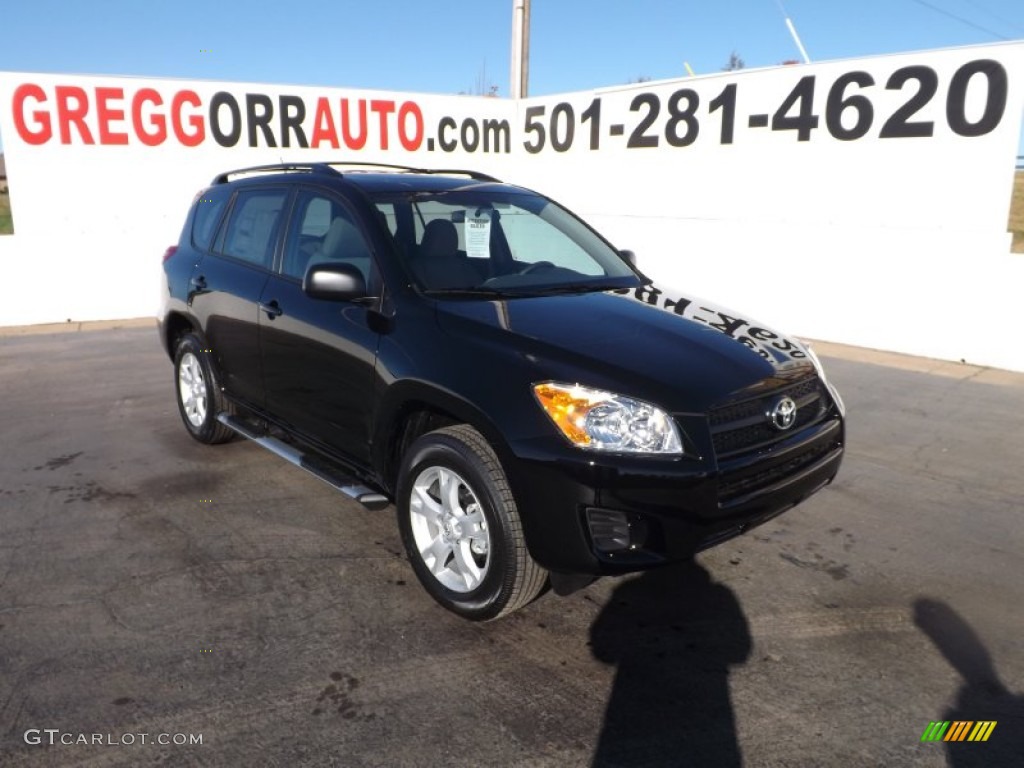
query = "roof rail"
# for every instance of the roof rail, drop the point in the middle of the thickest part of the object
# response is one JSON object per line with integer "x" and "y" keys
{"x": 412, "y": 169}
{"x": 328, "y": 168}
{"x": 222, "y": 178}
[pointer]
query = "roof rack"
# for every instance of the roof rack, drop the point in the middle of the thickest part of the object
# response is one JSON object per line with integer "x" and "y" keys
{"x": 327, "y": 168}
{"x": 476, "y": 175}
{"x": 222, "y": 178}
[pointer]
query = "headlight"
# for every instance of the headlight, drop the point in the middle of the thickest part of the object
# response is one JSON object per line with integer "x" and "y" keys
{"x": 603, "y": 421}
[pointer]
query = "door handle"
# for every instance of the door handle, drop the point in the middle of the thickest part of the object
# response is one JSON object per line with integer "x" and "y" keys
{"x": 273, "y": 309}
{"x": 198, "y": 282}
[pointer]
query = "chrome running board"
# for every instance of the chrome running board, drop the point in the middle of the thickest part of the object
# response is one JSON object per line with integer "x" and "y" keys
{"x": 312, "y": 463}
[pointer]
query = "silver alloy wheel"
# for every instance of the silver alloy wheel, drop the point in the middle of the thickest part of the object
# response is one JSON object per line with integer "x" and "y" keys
{"x": 450, "y": 529}
{"x": 192, "y": 389}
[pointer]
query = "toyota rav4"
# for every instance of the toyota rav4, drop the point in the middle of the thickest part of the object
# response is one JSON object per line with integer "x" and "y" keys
{"x": 535, "y": 408}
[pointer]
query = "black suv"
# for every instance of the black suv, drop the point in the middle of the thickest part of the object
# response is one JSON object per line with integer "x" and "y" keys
{"x": 535, "y": 408}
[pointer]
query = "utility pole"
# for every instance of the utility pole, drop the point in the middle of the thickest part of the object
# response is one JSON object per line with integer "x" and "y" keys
{"x": 520, "y": 74}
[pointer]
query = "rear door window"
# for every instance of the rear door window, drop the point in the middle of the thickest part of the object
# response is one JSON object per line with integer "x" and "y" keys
{"x": 253, "y": 225}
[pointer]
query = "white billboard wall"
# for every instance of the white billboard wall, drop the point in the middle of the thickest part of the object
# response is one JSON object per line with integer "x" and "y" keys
{"x": 859, "y": 201}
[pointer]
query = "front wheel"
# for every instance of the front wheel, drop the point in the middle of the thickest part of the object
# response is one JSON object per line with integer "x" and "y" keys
{"x": 199, "y": 396}
{"x": 461, "y": 527}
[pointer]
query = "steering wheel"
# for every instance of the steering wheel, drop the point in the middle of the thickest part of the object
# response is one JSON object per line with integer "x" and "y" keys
{"x": 536, "y": 266}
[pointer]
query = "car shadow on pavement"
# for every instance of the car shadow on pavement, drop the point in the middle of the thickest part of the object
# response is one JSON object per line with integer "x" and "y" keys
{"x": 673, "y": 633}
{"x": 982, "y": 697}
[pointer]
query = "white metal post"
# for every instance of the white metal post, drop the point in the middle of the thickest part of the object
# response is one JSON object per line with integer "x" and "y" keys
{"x": 520, "y": 71}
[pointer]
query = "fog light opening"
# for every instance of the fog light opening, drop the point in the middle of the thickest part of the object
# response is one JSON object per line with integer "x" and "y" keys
{"x": 613, "y": 531}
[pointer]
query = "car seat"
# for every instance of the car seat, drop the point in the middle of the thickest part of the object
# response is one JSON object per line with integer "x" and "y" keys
{"x": 438, "y": 263}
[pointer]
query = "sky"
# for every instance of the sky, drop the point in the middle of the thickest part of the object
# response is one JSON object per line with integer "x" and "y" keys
{"x": 453, "y": 46}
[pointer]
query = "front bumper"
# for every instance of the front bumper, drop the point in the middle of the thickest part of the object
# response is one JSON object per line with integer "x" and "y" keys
{"x": 667, "y": 509}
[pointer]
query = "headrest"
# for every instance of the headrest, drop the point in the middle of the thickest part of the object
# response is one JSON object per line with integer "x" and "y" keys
{"x": 440, "y": 238}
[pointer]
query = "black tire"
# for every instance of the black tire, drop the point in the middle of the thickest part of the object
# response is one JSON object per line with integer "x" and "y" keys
{"x": 509, "y": 578}
{"x": 200, "y": 403}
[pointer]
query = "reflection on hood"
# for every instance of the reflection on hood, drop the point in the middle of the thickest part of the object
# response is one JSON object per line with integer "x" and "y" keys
{"x": 651, "y": 343}
{"x": 770, "y": 345}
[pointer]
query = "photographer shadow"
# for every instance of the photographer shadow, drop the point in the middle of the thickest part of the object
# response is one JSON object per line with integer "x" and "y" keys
{"x": 673, "y": 633}
{"x": 982, "y": 697}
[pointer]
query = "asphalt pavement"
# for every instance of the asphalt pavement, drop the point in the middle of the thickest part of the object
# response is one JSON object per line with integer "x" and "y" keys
{"x": 156, "y": 590}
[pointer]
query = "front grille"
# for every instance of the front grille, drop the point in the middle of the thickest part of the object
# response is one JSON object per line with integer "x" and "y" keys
{"x": 732, "y": 488}
{"x": 733, "y": 412}
{"x": 744, "y": 426}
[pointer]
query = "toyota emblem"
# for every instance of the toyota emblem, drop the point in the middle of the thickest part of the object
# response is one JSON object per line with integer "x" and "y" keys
{"x": 783, "y": 413}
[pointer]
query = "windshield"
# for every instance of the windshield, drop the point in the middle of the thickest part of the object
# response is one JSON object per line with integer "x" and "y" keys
{"x": 479, "y": 242}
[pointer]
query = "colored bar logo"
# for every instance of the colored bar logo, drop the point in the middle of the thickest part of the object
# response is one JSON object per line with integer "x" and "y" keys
{"x": 959, "y": 730}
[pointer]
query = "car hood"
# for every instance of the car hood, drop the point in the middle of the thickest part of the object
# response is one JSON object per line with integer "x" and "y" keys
{"x": 650, "y": 342}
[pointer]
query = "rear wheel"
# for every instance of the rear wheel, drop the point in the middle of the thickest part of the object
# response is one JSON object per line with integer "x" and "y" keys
{"x": 199, "y": 395}
{"x": 461, "y": 527}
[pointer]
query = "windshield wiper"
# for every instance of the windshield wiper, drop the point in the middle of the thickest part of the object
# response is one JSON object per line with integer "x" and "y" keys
{"x": 550, "y": 290}
{"x": 521, "y": 292}
{"x": 483, "y": 292}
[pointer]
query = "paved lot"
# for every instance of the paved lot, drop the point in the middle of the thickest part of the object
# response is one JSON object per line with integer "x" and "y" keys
{"x": 151, "y": 585}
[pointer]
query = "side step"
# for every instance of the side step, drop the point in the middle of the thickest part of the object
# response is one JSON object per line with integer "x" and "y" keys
{"x": 309, "y": 462}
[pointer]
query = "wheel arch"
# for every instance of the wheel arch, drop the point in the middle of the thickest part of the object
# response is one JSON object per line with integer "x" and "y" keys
{"x": 174, "y": 326}
{"x": 413, "y": 408}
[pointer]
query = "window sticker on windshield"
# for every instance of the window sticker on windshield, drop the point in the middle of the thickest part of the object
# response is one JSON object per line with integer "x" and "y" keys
{"x": 478, "y": 236}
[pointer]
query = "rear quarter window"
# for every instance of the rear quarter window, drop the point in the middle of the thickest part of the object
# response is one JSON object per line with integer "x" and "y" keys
{"x": 209, "y": 210}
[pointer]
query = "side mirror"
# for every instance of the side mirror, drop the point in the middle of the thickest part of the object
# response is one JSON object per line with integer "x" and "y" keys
{"x": 629, "y": 257}
{"x": 334, "y": 282}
